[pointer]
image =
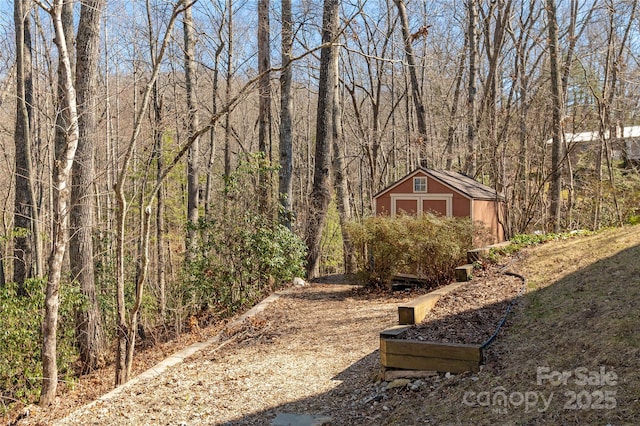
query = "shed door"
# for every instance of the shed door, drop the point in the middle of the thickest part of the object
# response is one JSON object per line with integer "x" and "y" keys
{"x": 406, "y": 206}
{"x": 435, "y": 206}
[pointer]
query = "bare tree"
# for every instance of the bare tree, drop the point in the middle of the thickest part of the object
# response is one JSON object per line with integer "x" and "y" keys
{"x": 341, "y": 183}
{"x": 157, "y": 155}
{"x": 285, "y": 185}
{"x": 413, "y": 74}
{"x": 193, "y": 166}
{"x": 61, "y": 211}
{"x": 127, "y": 325}
{"x": 608, "y": 129}
{"x": 228, "y": 82}
{"x": 556, "y": 98}
{"x": 471, "y": 162}
{"x": 264, "y": 109}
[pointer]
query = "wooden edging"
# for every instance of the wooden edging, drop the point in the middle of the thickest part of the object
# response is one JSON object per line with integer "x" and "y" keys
{"x": 414, "y": 311}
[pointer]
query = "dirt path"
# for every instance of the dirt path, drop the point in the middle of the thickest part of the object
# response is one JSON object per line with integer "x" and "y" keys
{"x": 312, "y": 351}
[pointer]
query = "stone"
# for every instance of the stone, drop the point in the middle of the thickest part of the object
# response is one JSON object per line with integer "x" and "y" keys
{"x": 398, "y": 383}
{"x": 290, "y": 419}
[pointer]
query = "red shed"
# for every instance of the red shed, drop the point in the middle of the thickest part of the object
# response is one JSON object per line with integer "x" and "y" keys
{"x": 446, "y": 193}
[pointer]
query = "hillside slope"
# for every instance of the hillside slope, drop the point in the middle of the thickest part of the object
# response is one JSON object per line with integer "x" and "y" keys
{"x": 571, "y": 351}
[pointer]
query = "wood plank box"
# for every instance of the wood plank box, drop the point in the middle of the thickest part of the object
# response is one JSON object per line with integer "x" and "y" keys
{"x": 432, "y": 356}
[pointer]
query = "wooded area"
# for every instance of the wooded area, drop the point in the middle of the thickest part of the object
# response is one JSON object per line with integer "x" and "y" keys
{"x": 142, "y": 139}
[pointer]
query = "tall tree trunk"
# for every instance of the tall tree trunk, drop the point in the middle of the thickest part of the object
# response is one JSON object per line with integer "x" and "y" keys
{"x": 156, "y": 102}
{"x": 88, "y": 321}
{"x": 471, "y": 162}
{"x": 339, "y": 172}
{"x": 421, "y": 113}
{"x": 321, "y": 193}
{"x": 61, "y": 211}
{"x": 285, "y": 185}
{"x": 556, "y": 126}
{"x": 229, "y": 78}
{"x": 62, "y": 114}
{"x": 264, "y": 104}
{"x": 24, "y": 205}
{"x": 193, "y": 159}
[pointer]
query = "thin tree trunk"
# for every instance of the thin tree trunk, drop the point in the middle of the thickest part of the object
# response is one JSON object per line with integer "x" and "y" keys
{"x": 321, "y": 193}
{"x": 212, "y": 133}
{"x": 264, "y": 104}
{"x": 161, "y": 275}
{"x": 285, "y": 186}
{"x": 339, "y": 172}
{"x": 88, "y": 320}
{"x": 193, "y": 166}
{"x": 471, "y": 162}
{"x": 415, "y": 86}
{"x": 556, "y": 148}
{"x": 61, "y": 209}
{"x": 227, "y": 129}
{"x": 453, "y": 111}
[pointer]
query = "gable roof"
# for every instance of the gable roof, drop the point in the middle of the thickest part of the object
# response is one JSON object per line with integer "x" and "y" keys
{"x": 463, "y": 184}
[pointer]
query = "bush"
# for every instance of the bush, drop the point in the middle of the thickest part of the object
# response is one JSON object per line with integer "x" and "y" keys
{"x": 242, "y": 258}
{"x": 428, "y": 246}
{"x": 21, "y": 339}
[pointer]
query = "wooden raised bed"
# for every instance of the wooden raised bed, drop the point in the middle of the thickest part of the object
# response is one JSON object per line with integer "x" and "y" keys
{"x": 432, "y": 356}
{"x": 412, "y": 356}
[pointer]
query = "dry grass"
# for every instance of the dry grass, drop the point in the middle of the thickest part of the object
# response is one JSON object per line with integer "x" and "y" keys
{"x": 580, "y": 315}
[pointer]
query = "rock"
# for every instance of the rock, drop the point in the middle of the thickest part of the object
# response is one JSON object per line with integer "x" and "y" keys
{"x": 291, "y": 419}
{"x": 398, "y": 383}
{"x": 299, "y": 282}
{"x": 385, "y": 408}
{"x": 374, "y": 398}
{"x": 416, "y": 385}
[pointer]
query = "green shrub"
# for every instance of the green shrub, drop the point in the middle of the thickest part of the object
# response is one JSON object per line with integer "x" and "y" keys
{"x": 428, "y": 246}
{"x": 242, "y": 258}
{"x": 21, "y": 339}
{"x": 520, "y": 241}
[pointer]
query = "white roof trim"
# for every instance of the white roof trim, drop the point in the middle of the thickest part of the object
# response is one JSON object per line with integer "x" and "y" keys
{"x": 413, "y": 174}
